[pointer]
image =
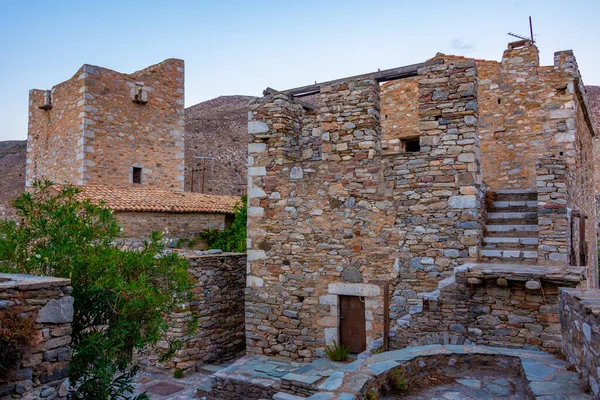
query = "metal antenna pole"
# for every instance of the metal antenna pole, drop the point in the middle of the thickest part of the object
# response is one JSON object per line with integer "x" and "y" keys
{"x": 531, "y": 29}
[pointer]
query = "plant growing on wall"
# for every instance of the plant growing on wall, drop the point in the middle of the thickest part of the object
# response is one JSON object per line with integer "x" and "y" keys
{"x": 121, "y": 296}
{"x": 16, "y": 334}
{"x": 233, "y": 238}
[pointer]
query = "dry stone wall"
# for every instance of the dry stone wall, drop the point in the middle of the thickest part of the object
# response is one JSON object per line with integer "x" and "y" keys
{"x": 399, "y": 113}
{"x": 139, "y": 225}
{"x": 579, "y": 317}
{"x": 495, "y": 305}
{"x": 330, "y": 215}
{"x": 217, "y": 304}
{"x": 43, "y": 371}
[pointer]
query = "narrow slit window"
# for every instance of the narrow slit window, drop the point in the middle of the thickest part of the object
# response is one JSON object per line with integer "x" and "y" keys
{"x": 137, "y": 175}
{"x": 412, "y": 145}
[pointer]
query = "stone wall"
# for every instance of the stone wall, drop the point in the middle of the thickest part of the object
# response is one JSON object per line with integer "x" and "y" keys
{"x": 95, "y": 133}
{"x": 495, "y": 305}
{"x": 399, "y": 113}
{"x": 217, "y": 304}
{"x": 139, "y": 225}
{"x": 553, "y": 219}
{"x": 579, "y": 311}
{"x": 44, "y": 368}
{"x": 330, "y": 215}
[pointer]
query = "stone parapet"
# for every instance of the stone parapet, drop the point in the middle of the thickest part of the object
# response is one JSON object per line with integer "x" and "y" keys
{"x": 218, "y": 306}
{"x": 580, "y": 321}
{"x": 502, "y": 305}
{"x": 42, "y": 373}
{"x": 553, "y": 220}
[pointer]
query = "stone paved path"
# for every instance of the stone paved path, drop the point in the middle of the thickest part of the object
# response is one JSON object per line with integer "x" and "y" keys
{"x": 162, "y": 385}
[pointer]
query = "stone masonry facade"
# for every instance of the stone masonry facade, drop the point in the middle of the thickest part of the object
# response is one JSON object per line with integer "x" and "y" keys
{"x": 218, "y": 306}
{"x": 139, "y": 225}
{"x": 96, "y": 127}
{"x": 580, "y": 320}
{"x": 334, "y": 211}
{"x": 42, "y": 374}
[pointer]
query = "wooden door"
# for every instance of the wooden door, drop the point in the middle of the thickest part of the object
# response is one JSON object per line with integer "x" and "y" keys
{"x": 352, "y": 323}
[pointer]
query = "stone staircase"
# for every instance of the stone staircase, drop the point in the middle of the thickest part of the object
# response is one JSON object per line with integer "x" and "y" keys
{"x": 511, "y": 230}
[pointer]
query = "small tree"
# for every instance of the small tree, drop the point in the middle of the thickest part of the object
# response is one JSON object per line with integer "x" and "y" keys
{"x": 121, "y": 296}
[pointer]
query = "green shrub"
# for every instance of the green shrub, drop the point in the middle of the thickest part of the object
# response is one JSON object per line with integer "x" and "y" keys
{"x": 337, "y": 352}
{"x": 232, "y": 239}
{"x": 178, "y": 373}
{"x": 397, "y": 381}
{"x": 121, "y": 296}
{"x": 372, "y": 394}
{"x": 16, "y": 334}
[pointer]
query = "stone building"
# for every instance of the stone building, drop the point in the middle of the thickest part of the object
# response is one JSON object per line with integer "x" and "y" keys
{"x": 443, "y": 202}
{"x": 102, "y": 127}
{"x": 180, "y": 214}
{"x": 120, "y": 138}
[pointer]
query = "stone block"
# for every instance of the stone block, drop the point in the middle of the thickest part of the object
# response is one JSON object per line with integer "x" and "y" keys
{"x": 57, "y": 311}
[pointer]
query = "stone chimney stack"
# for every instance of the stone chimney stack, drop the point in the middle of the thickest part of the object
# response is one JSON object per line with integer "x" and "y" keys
{"x": 522, "y": 55}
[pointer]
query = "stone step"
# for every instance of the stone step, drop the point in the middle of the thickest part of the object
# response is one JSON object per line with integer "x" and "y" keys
{"x": 210, "y": 368}
{"x": 511, "y": 241}
{"x": 204, "y": 389}
{"x": 508, "y": 204}
{"x": 512, "y": 254}
{"x": 512, "y": 215}
{"x": 516, "y": 195}
{"x": 512, "y": 228}
{"x": 287, "y": 396}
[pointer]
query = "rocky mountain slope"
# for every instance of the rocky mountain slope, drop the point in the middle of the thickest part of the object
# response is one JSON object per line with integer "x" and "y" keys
{"x": 12, "y": 172}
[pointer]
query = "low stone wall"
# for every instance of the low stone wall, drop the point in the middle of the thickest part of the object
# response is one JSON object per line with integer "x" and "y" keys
{"x": 580, "y": 321}
{"x": 499, "y": 305}
{"x": 217, "y": 304}
{"x": 139, "y": 225}
{"x": 43, "y": 371}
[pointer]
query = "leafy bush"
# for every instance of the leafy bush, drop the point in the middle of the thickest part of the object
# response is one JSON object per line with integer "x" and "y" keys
{"x": 121, "y": 296}
{"x": 372, "y": 395}
{"x": 16, "y": 334}
{"x": 397, "y": 381}
{"x": 233, "y": 238}
{"x": 178, "y": 373}
{"x": 337, "y": 352}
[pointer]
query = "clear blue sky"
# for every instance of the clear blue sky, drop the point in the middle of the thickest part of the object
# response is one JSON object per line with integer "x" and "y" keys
{"x": 241, "y": 47}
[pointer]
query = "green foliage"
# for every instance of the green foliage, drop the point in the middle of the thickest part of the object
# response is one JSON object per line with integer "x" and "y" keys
{"x": 121, "y": 296}
{"x": 379, "y": 350}
{"x": 233, "y": 238}
{"x": 337, "y": 352}
{"x": 372, "y": 395}
{"x": 397, "y": 381}
{"x": 16, "y": 334}
{"x": 178, "y": 373}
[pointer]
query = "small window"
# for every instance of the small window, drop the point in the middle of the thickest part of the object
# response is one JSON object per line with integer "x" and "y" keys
{"x": 137, "y": 175}
{"x": 412, "y": 145}
{"x": 499, "y": 101}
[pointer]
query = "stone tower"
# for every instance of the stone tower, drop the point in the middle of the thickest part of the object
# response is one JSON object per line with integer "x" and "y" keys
{"x": 102, "y": 127}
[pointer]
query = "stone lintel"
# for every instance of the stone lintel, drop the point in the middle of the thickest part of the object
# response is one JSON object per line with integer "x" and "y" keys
{"x": 354, "y": 289}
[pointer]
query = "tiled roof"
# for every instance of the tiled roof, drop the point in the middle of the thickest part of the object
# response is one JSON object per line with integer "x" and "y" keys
{"x": 157, "y": 200}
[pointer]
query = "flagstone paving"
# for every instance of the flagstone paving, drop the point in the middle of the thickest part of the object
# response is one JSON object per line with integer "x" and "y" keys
{"x": 545, "y": 377}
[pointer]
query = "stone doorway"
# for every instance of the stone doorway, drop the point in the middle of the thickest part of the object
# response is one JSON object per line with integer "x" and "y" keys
{"x": 352, "y": 323}
{"x": 374, "y": 299}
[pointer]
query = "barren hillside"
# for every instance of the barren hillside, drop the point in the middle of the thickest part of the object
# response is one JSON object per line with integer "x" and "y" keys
{"x": 12, "y": 172}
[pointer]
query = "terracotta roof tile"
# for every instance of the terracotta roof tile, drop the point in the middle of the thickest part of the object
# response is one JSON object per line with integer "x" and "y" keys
{"x": 157, "y": 200}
